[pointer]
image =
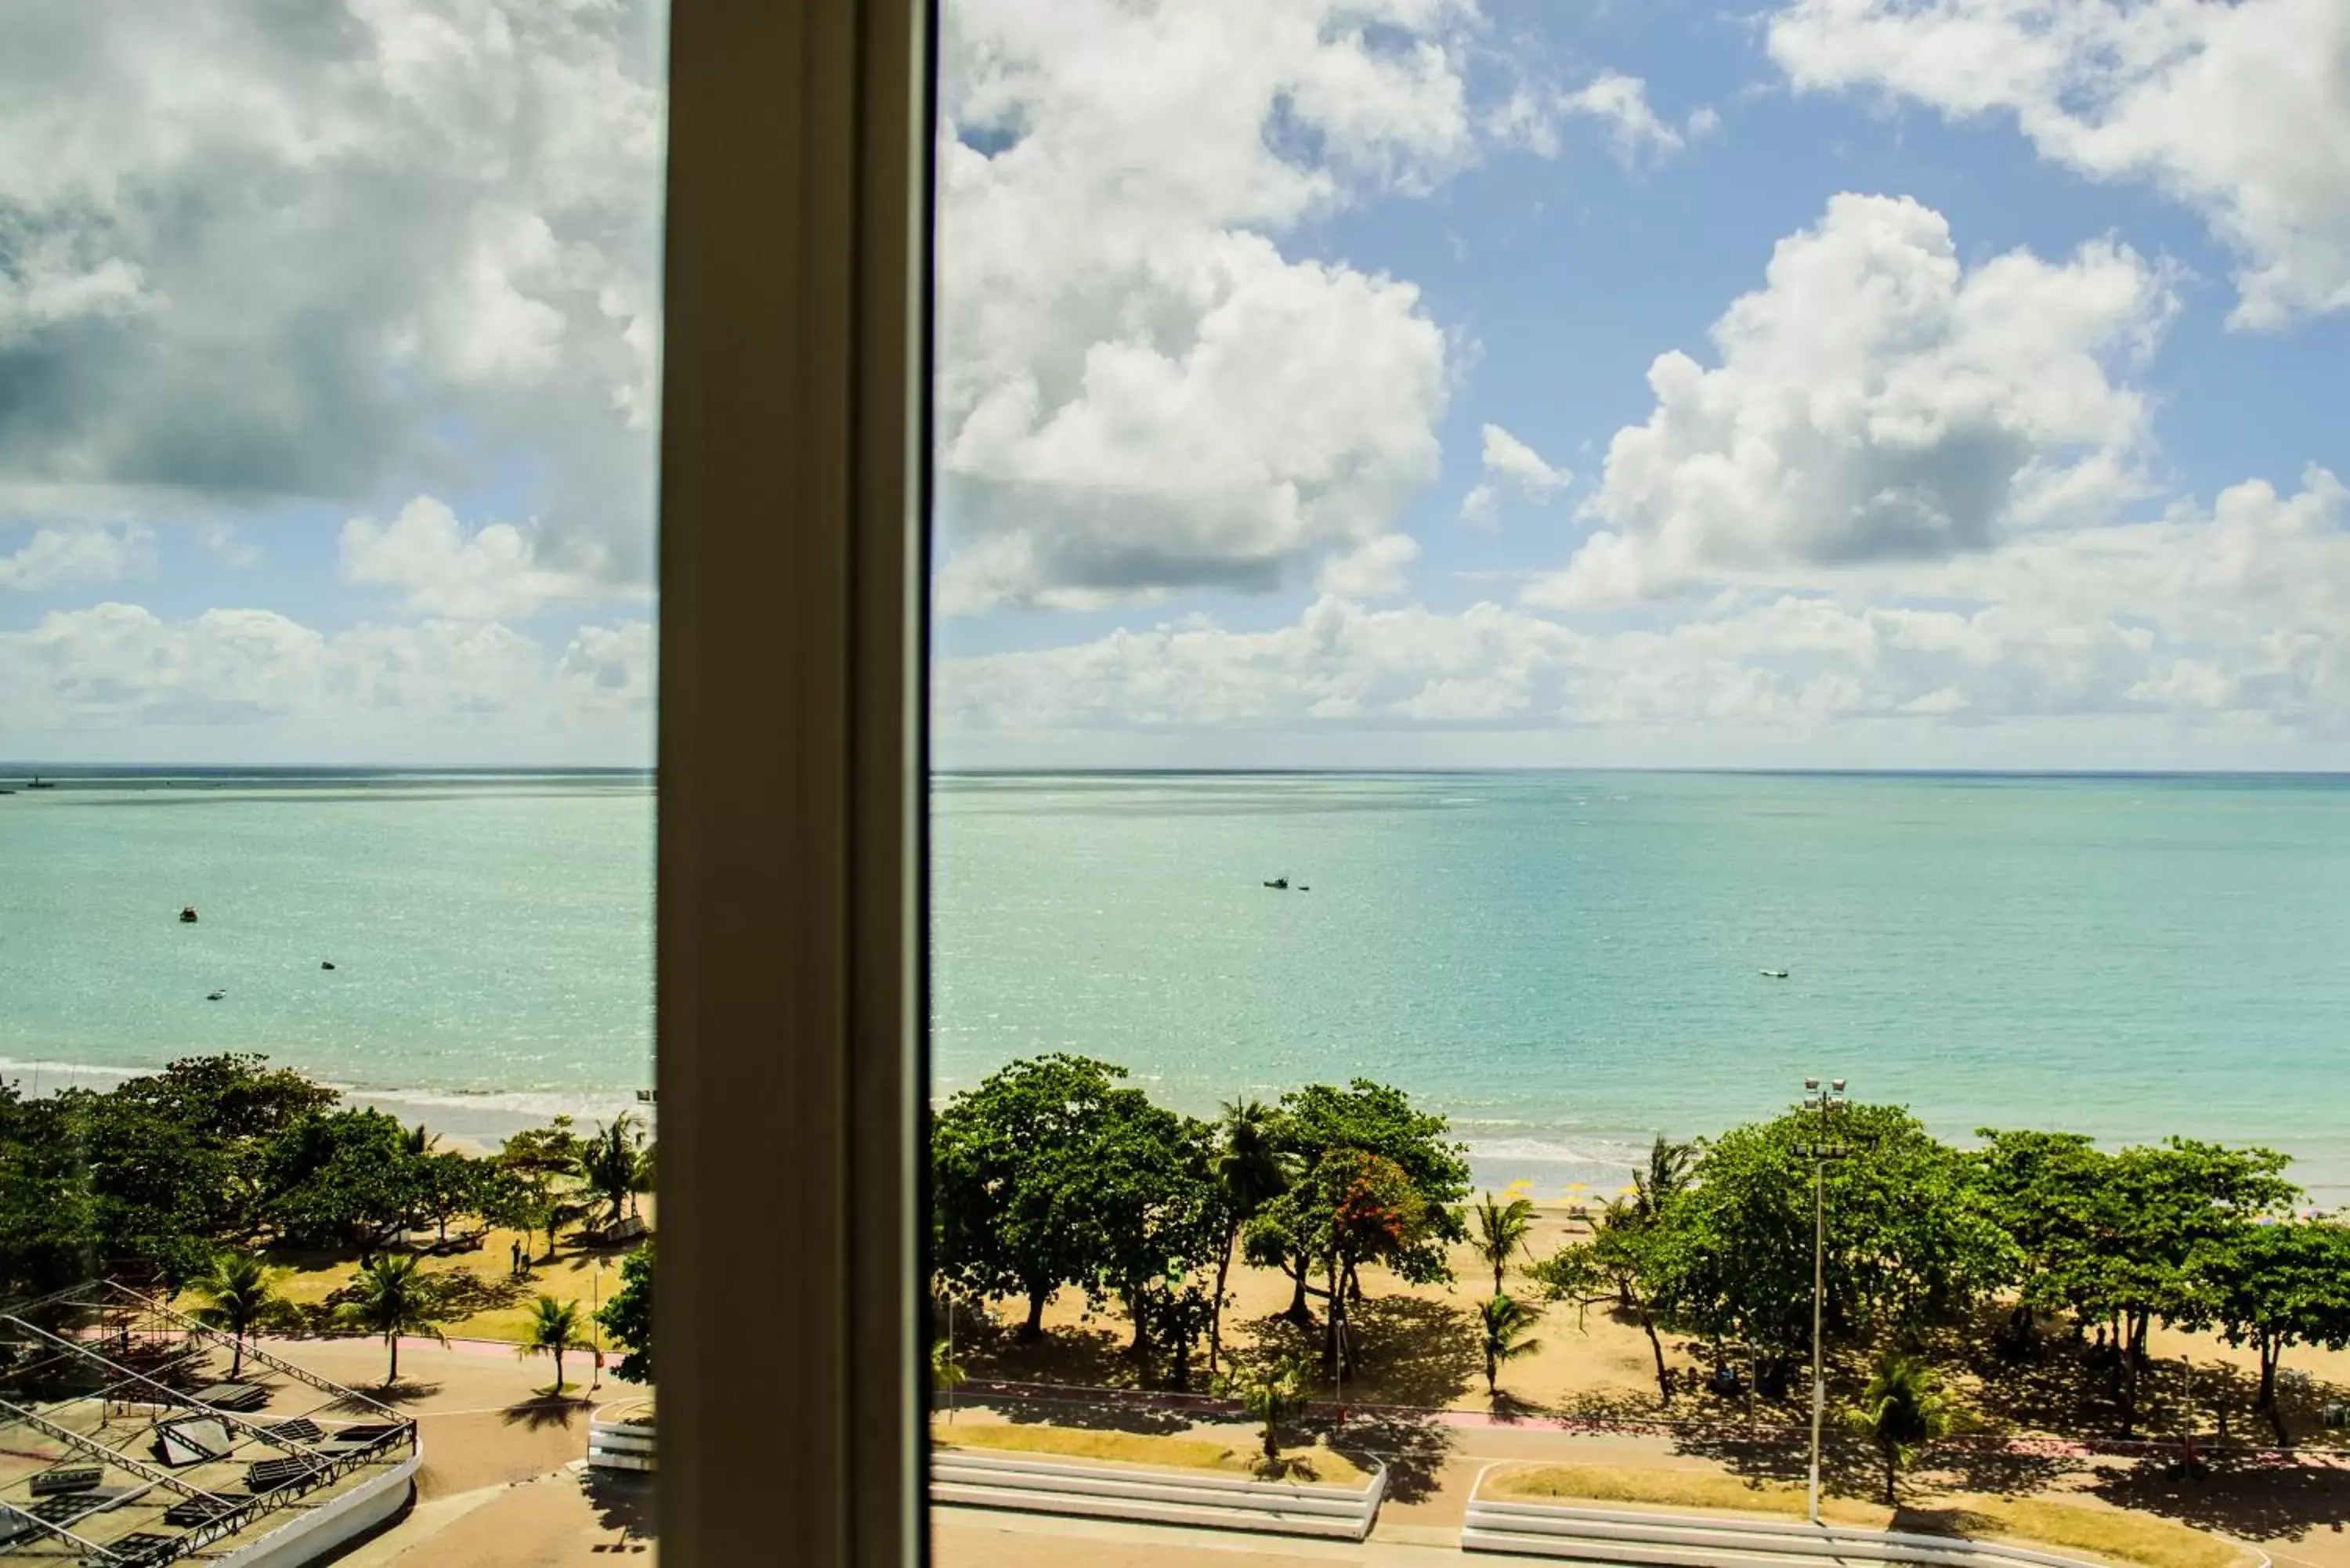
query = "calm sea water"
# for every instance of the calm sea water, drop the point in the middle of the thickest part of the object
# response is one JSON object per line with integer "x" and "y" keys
{"x": 1562, "y": 963}
{"x": 1567, "y": 963}
{"x": 491, "y": 938}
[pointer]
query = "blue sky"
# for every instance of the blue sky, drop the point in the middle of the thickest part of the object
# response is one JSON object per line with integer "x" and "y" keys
{"x": 2024, "y": 452}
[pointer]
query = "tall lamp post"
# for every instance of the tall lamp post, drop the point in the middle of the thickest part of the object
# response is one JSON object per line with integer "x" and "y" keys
{"x": 1825, "y": 1102}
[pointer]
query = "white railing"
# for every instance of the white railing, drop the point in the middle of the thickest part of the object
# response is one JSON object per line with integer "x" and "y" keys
{"x": 619, "y": 1441}
{"x": 1044, "y": 1484}
{"x": 1624, "y": 1536}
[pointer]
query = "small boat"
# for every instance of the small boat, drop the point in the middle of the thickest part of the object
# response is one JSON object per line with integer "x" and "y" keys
{"x": 1304, "y": 888}
{"x": 329, "y": 963}
{"x": 187, "y": 914}
{"x": 40, "y": 782}
{"x": 215, "y": 996}
{"x": 1281, "y": 882}
{"x": 1772, "y": 973}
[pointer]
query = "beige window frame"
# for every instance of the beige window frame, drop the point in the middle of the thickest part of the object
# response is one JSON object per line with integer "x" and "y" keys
{"x": 791, "y": 774}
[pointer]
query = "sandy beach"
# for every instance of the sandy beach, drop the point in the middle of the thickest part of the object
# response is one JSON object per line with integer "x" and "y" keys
{"x": 1419, "y": 1348}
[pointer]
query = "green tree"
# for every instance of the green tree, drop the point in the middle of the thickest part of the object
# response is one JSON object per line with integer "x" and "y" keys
{"x": 547, "y": 1162}
{"x": 1911, "y": 1238}
{"x": 1353, "y": 1208}
{"x": 1635, "y": 1265}
{"x": 341, "y": 1179}
{"x": 612, "y": 1163}
{"x": 1498, "y": 1230}
{"x": 1369, "y": 1118}
{"x": 1269, "y": 1391}
{"x": 1899, "y": 1413}
{"x": 947, "y": 1373}
{"x": 240, "y": 1105}
{"x": 553, "y": 1329}
{"x": 1250, "y": 1172}
{"x": 448, "y": 1184}
{"x": 241, "y": 1292}
{"x": 49, "y": 1220}
{"x": 2273, "y": 1287}
{"x": 1664, "y": 1178}
{"x": 394, "y": 1297}
{"x": 1503, "y": 1322}
{"x": 2119, "y": 1237}
{"x": 628, "y": 1316}
{"x": 1015, "y": 1166}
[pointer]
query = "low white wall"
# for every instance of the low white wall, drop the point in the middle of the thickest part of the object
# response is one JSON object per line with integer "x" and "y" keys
{"x": 1043, "y": 1485}
{"x": 1627, "y": 1535}
{"x": 311, "y": 1532}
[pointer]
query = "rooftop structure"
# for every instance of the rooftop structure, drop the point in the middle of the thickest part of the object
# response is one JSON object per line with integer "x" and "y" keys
{"x": 125, "y": 1442}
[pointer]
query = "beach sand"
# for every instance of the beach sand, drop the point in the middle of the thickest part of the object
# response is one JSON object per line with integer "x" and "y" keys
{"x": 1419, "y": 1347}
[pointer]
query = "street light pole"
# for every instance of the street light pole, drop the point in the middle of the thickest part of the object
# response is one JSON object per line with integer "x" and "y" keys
{"x": 1825, "y": 1102}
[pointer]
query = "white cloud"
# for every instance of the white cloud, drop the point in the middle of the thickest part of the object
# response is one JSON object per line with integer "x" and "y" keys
{"x": 53, "y": 557}
{"x": 2240, "y": 110}
{"x": 1511, "y": 463}
{"x": 491, "y": 574}
{"x": 1634, "y": 130}
{"x": 1139, "y": 391}
{"x": 2205, "y": 631}
{"x": 222, "y": 540}
{"x": 1373, "y": 569}
{"x": 304, "y": 250}
{"x": 245, "y": 683}
{"x": 1878, "y": 399}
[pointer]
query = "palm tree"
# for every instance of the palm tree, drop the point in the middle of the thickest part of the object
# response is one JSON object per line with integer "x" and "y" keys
{"x": 554, "y": 1328}
{"x": 1501, "y": 1229}
{"x": 612, "y": 1161}
{"x": 243, "y": 1292}
{"x": 1900, "y": 1411}
{"x": 419, "y": 1141}
{"x": 1666, "y": 1175}
{"x": 1505, "y": 1322}
{"x": 1270, "y": 1392}
{"x": 394, "y": 1298}
{"x": 1249, "y": 1174}
{"x": 947, "y": 1374}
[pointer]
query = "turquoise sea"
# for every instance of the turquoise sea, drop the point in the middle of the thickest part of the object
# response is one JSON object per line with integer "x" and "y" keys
{"x": 1564, "y": 963}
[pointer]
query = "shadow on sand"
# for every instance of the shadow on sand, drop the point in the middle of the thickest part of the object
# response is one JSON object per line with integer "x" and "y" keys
{"x": 542, "y": 1410}
{"x": 623, "y": 1502}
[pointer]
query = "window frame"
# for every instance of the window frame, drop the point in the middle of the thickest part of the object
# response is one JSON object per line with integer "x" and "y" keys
{"x": 789, "y": 982}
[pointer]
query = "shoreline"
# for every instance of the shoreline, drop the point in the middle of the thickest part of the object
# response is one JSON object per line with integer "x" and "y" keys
{"x": 1576, "y": 1165}
{"x": 492, "y": 1114}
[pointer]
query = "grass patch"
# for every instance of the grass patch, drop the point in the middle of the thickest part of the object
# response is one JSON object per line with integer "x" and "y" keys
{"x": 2121, "y": 1537}
{"x": 1316, "y": 1464}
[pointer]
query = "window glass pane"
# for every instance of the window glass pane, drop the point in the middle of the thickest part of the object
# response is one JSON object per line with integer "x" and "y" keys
{"x": 329, "y": 352}
{"x": 1630, "y": 704}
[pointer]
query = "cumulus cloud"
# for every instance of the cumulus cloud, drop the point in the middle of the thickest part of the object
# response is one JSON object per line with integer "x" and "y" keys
{"x": 1373, "y": 569}
{"x": 2238, "y": 109}
{"x": 2237, "y": 617}
{"x": 1511, "y": 463}
{"x": 303, "y": 249}
{"x": 1877, "y": 399}
{"x": 1139, "y": 390}
{"x": 53, "y": 557}
{"x": 252, "y": 681}
{"x": 1635, "y": 131}
{"x": 491, "y": 574}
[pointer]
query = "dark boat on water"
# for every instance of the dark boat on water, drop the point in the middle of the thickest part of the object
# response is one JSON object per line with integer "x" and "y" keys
{"x": 40, "y": 782}
{"x": 1281, "y": 882}
{"x": 187, "y": 914}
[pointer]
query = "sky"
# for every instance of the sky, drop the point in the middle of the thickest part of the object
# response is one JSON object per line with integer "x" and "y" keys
{"x": 1393, "y": 383}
